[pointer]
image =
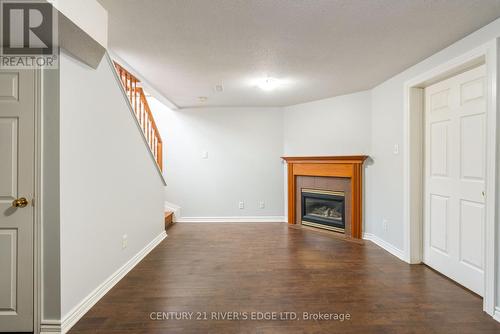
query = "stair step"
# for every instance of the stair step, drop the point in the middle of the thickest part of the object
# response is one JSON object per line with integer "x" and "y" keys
{"x": 169, "y": 215}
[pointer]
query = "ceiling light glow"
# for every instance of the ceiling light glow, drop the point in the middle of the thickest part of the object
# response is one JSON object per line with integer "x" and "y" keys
{"x": 268, "y": 84}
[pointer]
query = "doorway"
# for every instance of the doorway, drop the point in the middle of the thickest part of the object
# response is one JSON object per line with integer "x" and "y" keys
{"x": 415, "y": 186}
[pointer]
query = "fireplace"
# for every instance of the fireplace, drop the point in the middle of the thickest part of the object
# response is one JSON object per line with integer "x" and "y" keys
{"x": 323, "y": 209}
{"x": 340, "y": 179}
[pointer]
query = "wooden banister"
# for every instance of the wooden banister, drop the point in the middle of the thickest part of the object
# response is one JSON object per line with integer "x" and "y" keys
{"x": 140, "y": 105}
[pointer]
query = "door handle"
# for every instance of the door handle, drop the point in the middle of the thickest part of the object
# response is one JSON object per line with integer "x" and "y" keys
{"x": 20, "y": 202}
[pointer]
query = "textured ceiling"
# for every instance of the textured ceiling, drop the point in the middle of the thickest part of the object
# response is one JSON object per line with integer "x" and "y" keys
{"x": 320, "y": 48}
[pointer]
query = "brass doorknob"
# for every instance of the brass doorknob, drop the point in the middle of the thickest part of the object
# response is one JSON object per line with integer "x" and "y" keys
{"x": 20, "y": 202}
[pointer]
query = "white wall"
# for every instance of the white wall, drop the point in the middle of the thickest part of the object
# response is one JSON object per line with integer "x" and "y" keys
{"x": 336, "y": 126}
{"x": 244, "y": 147}
{"x": 106, "y": 171}
{"x": 385, "y": 181}
{"x": 339, "y": 125}
{"x": 89, "y": 15}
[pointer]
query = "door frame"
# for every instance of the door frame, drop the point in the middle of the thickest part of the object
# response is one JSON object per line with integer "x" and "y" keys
{"x": 36, "y": 198}
{"x": 37, "y": 208}
{"x": 414, "y": 140}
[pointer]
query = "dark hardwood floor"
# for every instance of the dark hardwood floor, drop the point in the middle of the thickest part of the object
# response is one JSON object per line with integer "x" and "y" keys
{"x": 249, "y": 268}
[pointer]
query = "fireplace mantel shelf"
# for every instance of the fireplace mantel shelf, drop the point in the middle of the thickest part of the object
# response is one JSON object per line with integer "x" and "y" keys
{"x": 328, "y": 159}
{"x": 329, "y": 166}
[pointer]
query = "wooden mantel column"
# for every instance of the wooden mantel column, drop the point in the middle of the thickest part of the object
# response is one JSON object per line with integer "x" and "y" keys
{"x": 334, "y": 166}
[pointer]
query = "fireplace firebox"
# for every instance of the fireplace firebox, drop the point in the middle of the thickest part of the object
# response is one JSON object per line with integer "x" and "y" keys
{"x": 323, "y": 209}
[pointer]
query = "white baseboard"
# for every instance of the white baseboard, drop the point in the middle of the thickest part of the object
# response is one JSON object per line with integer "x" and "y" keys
{"x": 496, "y": 314}
{"x": 385, "y": 245}
{"x": 50, "y": 327}
{"x": 236, "y": 219}
{"x": 79, "y": 310}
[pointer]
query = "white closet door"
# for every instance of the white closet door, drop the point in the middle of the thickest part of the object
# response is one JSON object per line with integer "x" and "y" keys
{"x": 455, "y": 154}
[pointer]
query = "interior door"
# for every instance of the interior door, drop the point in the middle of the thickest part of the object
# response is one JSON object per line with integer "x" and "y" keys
{"x": 455, "y": 154}
{"x": 17, "y": 107}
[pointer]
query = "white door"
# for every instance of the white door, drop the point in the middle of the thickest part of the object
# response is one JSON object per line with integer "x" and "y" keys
{"x": 17, "y": 106}
{"x": 455, "y": 154}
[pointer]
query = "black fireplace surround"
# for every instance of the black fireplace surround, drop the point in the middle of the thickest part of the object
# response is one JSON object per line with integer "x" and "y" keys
{"x": 323, "y": 209}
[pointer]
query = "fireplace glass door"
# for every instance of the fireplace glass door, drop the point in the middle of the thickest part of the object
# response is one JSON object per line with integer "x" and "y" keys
{"x": 323, "y": 209}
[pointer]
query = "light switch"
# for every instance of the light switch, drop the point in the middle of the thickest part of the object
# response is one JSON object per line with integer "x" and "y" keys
{"x": 204, "y": 155}
{"x": 396, "y": 149}
{"x": 124, "y": 241}
{"x": 384, "y": 225}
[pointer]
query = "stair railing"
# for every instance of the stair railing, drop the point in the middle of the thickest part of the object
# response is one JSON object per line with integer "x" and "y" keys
{"x": 139, "y": 103}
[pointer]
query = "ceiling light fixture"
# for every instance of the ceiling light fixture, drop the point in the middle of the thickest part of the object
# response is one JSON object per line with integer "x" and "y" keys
{"x": 268, "y": 84}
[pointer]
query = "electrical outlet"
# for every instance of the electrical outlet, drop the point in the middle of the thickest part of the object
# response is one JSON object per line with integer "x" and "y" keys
{"x": 124, "y": 241}
{"x": 262, "y": 204}
{"x": 241, "y": 205}
{"x": 384, "y": 225}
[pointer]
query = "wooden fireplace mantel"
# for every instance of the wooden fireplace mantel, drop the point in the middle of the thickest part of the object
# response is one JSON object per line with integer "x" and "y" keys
{"x": 329, "y": 166}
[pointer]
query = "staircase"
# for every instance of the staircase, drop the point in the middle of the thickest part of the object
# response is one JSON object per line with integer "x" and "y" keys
{"x": 139, "y": 103}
